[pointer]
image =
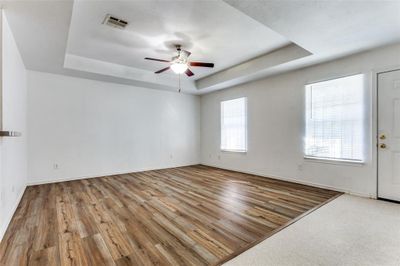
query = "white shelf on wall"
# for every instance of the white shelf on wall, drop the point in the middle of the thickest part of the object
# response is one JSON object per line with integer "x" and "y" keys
{"x": 9, "y": 133}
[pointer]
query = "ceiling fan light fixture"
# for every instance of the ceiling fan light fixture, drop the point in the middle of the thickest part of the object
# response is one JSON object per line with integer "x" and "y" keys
{"x": 179, "y": 68}
{"x": 179, "y": 64}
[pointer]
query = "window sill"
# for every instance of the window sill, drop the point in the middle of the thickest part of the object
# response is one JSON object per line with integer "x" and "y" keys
{"x": 234, "y": 151}
{"x": 334, "y": 161}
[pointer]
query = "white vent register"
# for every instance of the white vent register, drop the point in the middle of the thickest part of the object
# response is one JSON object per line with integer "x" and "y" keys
{"x": 115, "y": 22}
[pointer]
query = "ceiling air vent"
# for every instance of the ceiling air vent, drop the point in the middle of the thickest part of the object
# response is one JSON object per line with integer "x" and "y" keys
{"x": 115, "y": 22}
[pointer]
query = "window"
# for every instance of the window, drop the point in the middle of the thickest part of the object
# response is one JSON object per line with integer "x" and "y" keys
{"x": 335, "y": 119}
{"x": 234, "y": 125}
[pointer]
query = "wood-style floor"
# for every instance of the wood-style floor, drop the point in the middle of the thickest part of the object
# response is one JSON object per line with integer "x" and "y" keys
{"x": 194, "y": 215}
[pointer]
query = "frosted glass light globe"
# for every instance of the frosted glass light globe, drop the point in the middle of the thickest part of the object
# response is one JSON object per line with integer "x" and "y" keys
{"x": 179, "y": 68}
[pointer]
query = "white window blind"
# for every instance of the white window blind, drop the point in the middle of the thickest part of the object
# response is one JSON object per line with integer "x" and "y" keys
{"x": 335, "y": 119}
{"x": 234, "y": 125}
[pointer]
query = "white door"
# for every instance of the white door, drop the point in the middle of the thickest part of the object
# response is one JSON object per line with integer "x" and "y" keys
{"x": 389, "y": 135}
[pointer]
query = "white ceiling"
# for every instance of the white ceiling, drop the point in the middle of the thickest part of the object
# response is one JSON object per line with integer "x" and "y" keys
{"x": 246, "y": 40}
{"x": 211, "y": 30}
{"x": 329, "y": 26}
{"x": 327, "y": 29}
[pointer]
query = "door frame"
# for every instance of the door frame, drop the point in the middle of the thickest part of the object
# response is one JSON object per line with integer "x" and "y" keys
{"x": 375, "y": 119}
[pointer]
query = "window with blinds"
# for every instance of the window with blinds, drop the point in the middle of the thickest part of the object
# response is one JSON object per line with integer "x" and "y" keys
{"x": 335, "y": 119}
{"x": 234, "y": 125}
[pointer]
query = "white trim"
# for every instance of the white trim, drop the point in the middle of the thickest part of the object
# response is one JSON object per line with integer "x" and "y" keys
{"x": 333, "y": 161}
{"x": 50, "y": 181}
{"x": 234, "y": 151}
{"x": 293, "y": 180}
{"x": 8, "y": 219}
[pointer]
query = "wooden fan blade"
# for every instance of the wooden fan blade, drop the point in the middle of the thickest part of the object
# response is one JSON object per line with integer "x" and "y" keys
{"x": 201, "y": 64}
{"x": 155, "y": 59}
{"x": 161, "y": 70}
{"x": 189, "y": 73}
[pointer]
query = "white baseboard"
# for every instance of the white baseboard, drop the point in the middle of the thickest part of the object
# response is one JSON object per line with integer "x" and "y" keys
{"x": 49, "y": 181}
{"x": 8, "y": 219}
{"x": 293, "y": 180}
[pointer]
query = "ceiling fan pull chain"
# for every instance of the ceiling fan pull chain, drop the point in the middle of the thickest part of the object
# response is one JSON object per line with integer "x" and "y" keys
{"x": 179, "y": 79}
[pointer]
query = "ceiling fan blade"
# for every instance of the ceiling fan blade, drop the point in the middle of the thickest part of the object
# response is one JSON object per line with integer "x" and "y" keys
{"x": 161, "y": 70}
{"x": 201, "y": 64}
{"x": 155, "y": 59}
{"x": 189, "y": 73}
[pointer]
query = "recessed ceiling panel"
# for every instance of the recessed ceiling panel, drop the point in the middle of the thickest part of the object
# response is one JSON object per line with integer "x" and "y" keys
{"x": 212, "y": 30}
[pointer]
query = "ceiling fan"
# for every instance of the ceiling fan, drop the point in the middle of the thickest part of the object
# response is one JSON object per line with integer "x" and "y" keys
{"x": 180, "y": 64}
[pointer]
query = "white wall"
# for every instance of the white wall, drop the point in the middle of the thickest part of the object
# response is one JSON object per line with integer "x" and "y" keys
{"x": 92, "y": 128}
{"x": 276, "y": 126}
{"x": 13, "y": 150}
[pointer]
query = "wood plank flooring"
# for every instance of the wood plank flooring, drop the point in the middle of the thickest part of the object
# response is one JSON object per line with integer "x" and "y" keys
{"x": 193, "y": 215}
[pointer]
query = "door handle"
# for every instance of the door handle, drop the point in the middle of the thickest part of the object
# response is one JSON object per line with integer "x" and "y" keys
{"x": 382, "y": 136}
{"x": 382, "y": 146}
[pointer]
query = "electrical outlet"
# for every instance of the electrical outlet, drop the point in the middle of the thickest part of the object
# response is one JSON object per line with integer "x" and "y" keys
{"x": 55, "y": 166}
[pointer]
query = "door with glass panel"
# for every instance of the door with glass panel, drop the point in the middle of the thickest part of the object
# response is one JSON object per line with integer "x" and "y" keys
{"x": 389, "y": 135}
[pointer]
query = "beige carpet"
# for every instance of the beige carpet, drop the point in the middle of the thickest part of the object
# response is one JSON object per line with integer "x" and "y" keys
{"x": 347, "y": 231}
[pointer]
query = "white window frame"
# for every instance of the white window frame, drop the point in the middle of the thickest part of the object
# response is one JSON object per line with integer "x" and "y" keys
{"x": 364, "y": 127}
{"x": 245, "y": 125}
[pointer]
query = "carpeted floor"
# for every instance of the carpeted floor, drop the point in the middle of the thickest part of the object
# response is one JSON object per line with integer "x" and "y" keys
{"x": 347, "y": 231}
